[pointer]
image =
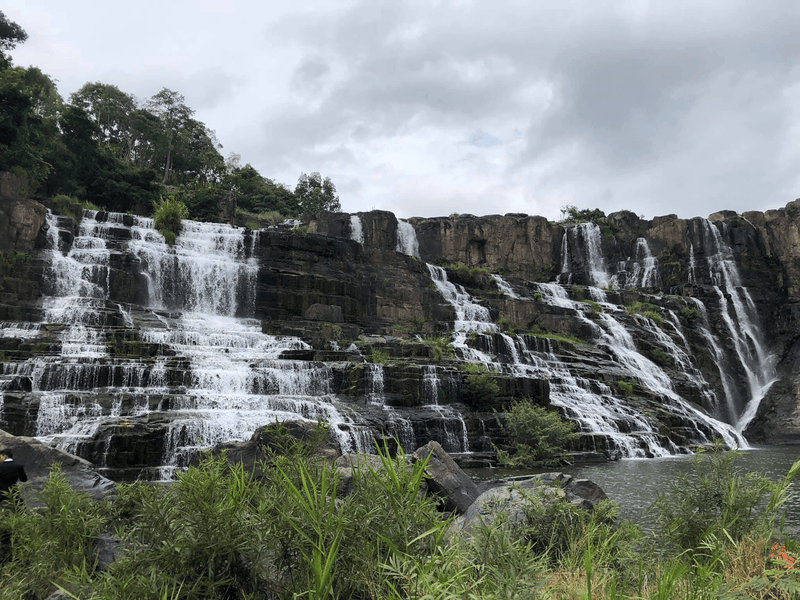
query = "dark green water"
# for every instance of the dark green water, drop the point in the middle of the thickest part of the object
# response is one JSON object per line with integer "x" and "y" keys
{"x": 634, "y": 484}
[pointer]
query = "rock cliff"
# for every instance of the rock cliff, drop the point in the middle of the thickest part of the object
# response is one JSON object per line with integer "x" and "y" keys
{"x": 653, "y": 335}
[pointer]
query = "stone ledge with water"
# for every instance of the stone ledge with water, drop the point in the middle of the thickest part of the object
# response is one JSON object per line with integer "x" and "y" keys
{"x": 138, "y": 356}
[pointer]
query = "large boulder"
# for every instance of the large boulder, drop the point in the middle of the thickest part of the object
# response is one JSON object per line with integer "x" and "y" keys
{"x": 510, "y": 497}
{"x": 38, "y": 458}
{"x": 456, "y": 490}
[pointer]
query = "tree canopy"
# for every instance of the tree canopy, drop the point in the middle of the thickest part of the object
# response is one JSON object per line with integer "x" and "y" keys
{"x": 315, "y": 194}
{"x": 109, "y": 148}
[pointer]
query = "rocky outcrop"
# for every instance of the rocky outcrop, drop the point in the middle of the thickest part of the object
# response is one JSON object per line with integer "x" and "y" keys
{"x": 39, "y": 458}
{"x": 641, "y": 321}
{"x": 508, "y": 499}
{"x": 447, "y": 481}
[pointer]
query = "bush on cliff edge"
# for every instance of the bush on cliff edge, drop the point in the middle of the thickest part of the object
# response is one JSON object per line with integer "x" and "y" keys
{"x": 168, "y": 216}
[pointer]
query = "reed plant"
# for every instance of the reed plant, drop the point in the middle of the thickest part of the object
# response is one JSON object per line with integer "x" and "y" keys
{"x": 286, "y": 530}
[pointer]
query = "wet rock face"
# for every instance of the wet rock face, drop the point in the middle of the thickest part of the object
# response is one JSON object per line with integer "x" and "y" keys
{"x": 346, "y": 322}
{"x": 524, "y": 244}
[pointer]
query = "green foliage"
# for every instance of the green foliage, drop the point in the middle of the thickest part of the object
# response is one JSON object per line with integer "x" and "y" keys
{"x": 646, "y": 309}
{"x": 535, "y": 434}
{"x": 256, "y": 194}
{"x": 284, "y": 531}
{"x": 594, "y": 308}
{"x": 467, "y": 275}
{"x": 626, "y": 387}
{"x": 315, "y": 194}
{"x": 440, "y": 346}
{"x": 716, "y": 506}
{"x": 378, "y": 356}
{"x": 690, "y": 314}
{"x": 654, "y": 316}
{"x": 571, "y": 215}
{"x": 538, "y": 331}
{"x": 50, "y": 543}
{"x": 168, "y": 215}
{"x": 479, "y": 388}
{"x": 66, "y": 205}
{"x": 507, "y": 325}
{"x": 658, "y": 356}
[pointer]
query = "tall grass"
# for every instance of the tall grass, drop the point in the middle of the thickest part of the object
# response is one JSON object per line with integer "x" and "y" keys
{"x": 222, "y": 532}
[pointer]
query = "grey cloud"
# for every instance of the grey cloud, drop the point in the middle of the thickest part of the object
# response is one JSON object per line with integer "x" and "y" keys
{"x": 683, "y": 103}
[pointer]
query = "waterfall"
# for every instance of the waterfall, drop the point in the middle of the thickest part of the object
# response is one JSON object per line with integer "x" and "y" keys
{"x": 740, "y": 318}
{"x": 594, "y": 405}
{"x": 471, "y": 318}
{"x": 356, "y": 230}
{"x": 505, "y": 287}
{"x": 645, "y": 268}
{"x": 374, "y": 375}
{"x": 230, "y": 377}
{"x": 407, "y": 239}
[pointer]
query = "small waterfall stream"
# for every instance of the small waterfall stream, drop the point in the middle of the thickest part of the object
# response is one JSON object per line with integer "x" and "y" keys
{"x": 407, "y": 239}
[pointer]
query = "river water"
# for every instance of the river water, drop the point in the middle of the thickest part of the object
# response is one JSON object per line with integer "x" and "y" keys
{"x": 635, "y": 483}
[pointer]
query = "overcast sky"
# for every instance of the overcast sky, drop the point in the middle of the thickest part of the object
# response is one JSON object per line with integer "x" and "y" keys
{"x": 433, "y": 108}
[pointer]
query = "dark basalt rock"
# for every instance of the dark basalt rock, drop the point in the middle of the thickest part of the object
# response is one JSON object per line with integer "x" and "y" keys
{"x": 351, "y": 302}
{"x": 447, "y": 481}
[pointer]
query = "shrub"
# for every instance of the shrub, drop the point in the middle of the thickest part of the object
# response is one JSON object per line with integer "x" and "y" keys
{"x": 594, "y": 308}
{"x": 479, "y": 388}
{"x": 660, "y": 357}
{"x": 626, "y": 387}
{"x": 51, "y": 542}
{"x": 507, "y": 325}
{"x": 168, "y": 216}
{"x": 535, "y": 434}
{"x": 690, "y": 314}
{"x": 654, "y": 316}
{"x": 378, "y": 355}
{"x": 439, "y": 345}
{"x": 572, "y": 215}
{"x": 716, "y": 506}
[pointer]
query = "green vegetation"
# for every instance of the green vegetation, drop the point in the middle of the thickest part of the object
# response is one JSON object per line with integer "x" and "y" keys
{"x": 479, "y": 388}
{"x": 220, "y": 532}
{"x": 470, "y": 276}
{"x": 690, "y": 314}
{"x": 651, "y": 311}
{"x": 106, "y": 147}
{"x": 626, "y": 387}
{"x": 704, "y": 514}
{"x": 535, "y": 433}
{"x": 594, "y": 308}
{"x": 507, "y": 325}
{"x": 440, "y": 346}
{"x": 378, "y": 356}
{"x": 658, "y": 356}
{"x": 571, "y": 215}
{"x": 538, "y": 331}
{"x": 168, "y": 215}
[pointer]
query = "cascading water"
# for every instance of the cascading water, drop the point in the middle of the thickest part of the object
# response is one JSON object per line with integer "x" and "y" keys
{"x": 470, "y": 316}
{"x": 356, "y": 229}
{"x": 600, "y": 412}
{"x": 407, "y": 239}
{"x": 739, "y": 315}
{"x": 232, "y": 379}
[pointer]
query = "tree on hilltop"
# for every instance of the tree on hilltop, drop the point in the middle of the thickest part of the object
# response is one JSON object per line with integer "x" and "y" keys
{"x": 315, "y": 194}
